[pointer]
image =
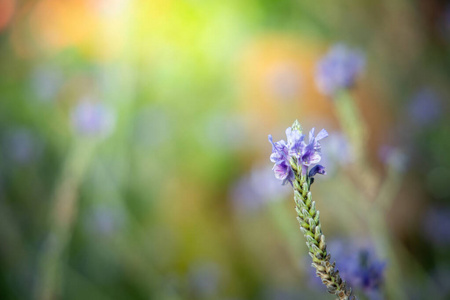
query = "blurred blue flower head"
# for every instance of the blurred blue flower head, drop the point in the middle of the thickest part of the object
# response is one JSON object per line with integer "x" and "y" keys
{"x": 204, "y": 279}
{"x": 92, "y": 118}
{"x": 393, "y": 157}
{"x": 256, "y": 189}
{"x": 21, "y": 146}
{"x": 437, "y": 226}
{"x": 425, "y": 107}
{"x": 306, "y": 154}
{"x": 46, "y": 81}
{"x": 104, "y": 220}
{"x": 359, "y": 265}
{"x": 338, "y": 69}
{"x": 339, "y": 152}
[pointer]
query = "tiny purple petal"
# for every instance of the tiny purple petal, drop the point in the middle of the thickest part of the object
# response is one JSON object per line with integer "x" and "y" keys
{"x": 281, "y": 171}
{"x": 318, "y": 169}
{"x": 271, "y": 141}
{"x": 425, "y": 107}
{"x": 321, "y": 135}
{"x": 293, "y": 136}
{"x": 311, "y": 135}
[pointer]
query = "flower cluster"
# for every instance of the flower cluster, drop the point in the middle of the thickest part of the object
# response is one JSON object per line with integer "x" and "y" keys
{"x": 338, "y": 69}
{"x": 91, "y": 118}
{"x": 304, "y": 154}
{"x": 359, "y": 265}
{"x": 425, "y": 107}
{"x": 363, "y": 270}
{"x": 256, "y": 189}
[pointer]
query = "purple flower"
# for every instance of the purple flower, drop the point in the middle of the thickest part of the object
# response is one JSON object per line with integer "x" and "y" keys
{"x": 425, "y": 107}
{"x": 46, "y": 81}
{"x": 256, "y": 189}
{"x": 22, "y": 146}
{"x": 311, "y": 153}
{"x": 338, "y": 69}
{"x": 393, "y": 157}
{"x": 92, "y": 118}
{"x": 306, "y": 154}
{"x": 359, "y": 265}
{"x": 204, "y": 279}
{"x": 317, "y": 169}
{"x": 339, "y": 152}
{"x": 437, "y": 226}
{"x": 104, "y": 221}
{"x": 280, "y": 156}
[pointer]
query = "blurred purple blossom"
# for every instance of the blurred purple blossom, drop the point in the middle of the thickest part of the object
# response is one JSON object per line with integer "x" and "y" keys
{"x": 92, "y": 118}
{"x": 46, "y": 81}
{"x": 22, "y": 146}
{"x": 359, "y": 266}
{"x": 393, "y": 157}
{"x": 339, "y": 152}
{"x": 437, "y": 226}
{"x": 338, "y": 69}
{"x": 104, "y": 220}
{"x": 254, "y": 190}
{"x": 425, "y": 107}
{"x": 204, "y": 279}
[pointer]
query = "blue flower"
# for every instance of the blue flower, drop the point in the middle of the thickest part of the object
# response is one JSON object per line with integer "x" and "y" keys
{"x": 318, "y": 169}
{"x": 437, "y": 226}
{"x": 425, "y": 107}
{"x": 311, "y": 152}
{"x": 280, "y": 156}
{"x": 92, "y": 118}
{"x": 256, "y": 189}
{"x": 306, "y": 154}
{"x": 22, "y": 146}
{"x": 338, "y": 69}
{"x": 361, "y": 268}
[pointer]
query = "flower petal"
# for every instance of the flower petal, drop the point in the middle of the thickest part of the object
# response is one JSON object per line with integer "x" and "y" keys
{"x": 318, "y": 169}
{"x": 311, "y": 135}
{"x": 281, "y": 171}
{"x": 321, "y": 135}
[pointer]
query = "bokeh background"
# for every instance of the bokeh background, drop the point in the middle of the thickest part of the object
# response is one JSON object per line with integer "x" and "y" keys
{"x": 134, "y": 161}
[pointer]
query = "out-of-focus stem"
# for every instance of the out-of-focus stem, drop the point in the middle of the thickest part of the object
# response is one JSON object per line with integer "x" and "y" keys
{"x": 352, "y": 124}
{"x": 356, "y": 131}
{"x": 61, "y": 221}
{"x": 381, "y": 233}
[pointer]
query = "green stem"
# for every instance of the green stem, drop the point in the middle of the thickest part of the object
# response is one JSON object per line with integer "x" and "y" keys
{"x": 62, "y": 218}
{"x": 308, "y": 217}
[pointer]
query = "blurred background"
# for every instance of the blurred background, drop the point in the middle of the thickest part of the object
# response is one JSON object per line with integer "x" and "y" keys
{"x": 134, "y": 161}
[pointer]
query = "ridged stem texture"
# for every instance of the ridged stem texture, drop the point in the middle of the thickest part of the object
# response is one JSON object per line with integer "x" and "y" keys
{"x": 308, "y": 217}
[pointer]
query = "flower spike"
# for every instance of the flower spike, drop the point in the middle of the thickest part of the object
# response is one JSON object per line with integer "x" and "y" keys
{"x": 292, "y": 160}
